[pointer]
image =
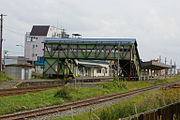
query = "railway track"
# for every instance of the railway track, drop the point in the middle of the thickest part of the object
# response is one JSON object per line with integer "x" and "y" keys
{"x": 174, "y": 86}
{"x": 78, "y": 104}
{"x": 15, "y": 91}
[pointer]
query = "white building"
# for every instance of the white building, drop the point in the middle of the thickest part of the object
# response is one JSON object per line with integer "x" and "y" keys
{"x": 8, "y": 60}
{"x": 33, "y": 41}
{"x": 92, "y": 68}
{"x": 19, "y": 71}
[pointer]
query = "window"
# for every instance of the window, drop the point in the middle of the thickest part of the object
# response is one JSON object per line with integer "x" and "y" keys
{"x": 98, "y": 70}
{"x": 31, "y": 39}
{"x": 106, "y": 70}
{"x": 36, "y": 45}
{"x": 28, "y": 39}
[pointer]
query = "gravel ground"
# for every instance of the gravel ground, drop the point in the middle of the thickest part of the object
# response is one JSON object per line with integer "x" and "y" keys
{"x": 86, "y": 109}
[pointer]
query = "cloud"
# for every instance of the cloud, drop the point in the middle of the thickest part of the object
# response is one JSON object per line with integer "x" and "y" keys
{"x": 154, "y": 23}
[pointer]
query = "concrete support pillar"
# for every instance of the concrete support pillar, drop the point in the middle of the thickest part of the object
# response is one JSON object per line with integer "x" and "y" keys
{"x": 154, "y": 74}
{"x": 147, "y": 74}
{"x": 144, "y": 74}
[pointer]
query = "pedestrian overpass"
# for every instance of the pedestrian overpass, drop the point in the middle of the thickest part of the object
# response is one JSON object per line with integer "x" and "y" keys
{"x": 59, "y": 54}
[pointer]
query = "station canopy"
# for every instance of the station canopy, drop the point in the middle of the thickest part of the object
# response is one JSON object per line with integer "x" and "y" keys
{"x": 155, "y": 65}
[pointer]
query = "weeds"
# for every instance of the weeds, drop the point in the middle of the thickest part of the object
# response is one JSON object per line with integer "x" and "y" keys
{"x": 64, "y": 93}
{"x": 4, "y": 77}
{"x": 151, "y": 101}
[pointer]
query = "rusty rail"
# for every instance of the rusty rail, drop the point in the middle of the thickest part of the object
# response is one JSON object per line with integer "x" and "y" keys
{"x": 15, "y": 91}
{"x": 78, "y": 104}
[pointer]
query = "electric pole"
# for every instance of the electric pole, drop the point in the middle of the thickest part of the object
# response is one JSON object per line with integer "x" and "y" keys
{"x": 171, "y": 67}
{"x": 165, "y": 69}
{"x": 159, "y": 59}
{"x": 1, "y": 41}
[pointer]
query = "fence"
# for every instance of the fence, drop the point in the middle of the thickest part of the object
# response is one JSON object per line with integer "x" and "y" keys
{"x": 169, "y": 112}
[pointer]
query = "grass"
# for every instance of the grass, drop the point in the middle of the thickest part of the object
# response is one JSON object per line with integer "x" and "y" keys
{"x": 4, "y": 77}
{"x": 10, "y": 104}
{"x": 141, "y": 102}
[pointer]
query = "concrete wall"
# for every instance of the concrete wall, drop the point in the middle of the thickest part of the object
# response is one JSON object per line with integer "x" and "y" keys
{"x": 18, "y": 72}
{"x": 15, "y": 60}
{"x": 14, "y": 72}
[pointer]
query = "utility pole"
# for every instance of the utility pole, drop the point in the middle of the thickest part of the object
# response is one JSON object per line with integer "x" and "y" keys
{"x": 171, "y": 67}
{"x": 174, "y": 67}
{"x": 118, "y": 57}
{"x": 165, "y": 69}
{"x": 165, "y": 60}
{"x": 159, "y": 59}
{"x": 1, "y": 41}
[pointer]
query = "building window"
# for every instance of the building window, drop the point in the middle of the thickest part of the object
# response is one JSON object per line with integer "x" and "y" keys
{"x": 98, "y": 70}
{"x": 28, "y": 39}
{"x": 106, "y": 70}
{"x": 103, "y": 71}
{"x": 31, "y": 39}
{"x": 36, "y": 45}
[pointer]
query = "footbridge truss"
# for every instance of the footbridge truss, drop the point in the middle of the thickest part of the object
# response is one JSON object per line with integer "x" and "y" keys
{"x": 60, "y": 53}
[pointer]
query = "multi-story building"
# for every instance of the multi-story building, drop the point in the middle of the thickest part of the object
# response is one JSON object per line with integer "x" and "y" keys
{"x": 33, "y": 41}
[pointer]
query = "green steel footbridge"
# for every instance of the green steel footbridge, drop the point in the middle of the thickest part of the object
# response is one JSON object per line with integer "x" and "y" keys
{"x": 60, "y": 53}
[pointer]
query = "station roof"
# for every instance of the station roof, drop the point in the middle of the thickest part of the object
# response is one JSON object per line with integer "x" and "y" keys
{"x": 94, "y": 61}
{"x": 155, "y": 65}
{"x": 121, "y": 41}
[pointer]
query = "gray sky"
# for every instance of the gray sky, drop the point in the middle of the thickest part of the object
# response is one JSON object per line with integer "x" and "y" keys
{"x": 154, "y": 23}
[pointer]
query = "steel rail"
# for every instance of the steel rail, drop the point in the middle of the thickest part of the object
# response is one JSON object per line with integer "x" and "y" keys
{"x": 78, "y": 104}
{"x": 16, "y": 91}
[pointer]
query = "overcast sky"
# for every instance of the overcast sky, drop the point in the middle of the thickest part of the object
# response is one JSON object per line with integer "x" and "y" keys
{"x": 154, "y": 23}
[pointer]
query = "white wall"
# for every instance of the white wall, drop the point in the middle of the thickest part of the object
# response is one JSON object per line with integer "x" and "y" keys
{"x": 93, "y": 70}
{"x": 54, "y": 32}
{"x": 37, "y": 49}
{"x": 38, "y": 45}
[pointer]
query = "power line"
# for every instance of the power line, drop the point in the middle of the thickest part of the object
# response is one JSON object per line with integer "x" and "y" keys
{"x": 12, "y": 31}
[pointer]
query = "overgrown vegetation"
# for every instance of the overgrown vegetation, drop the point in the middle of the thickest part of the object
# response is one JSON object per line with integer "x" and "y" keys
{"x": 144, "y": 103}
{"x": 4, "y": 77}
{"x": 64, "y": 93}
{"x": 10, "y": 104}
{"x": 138, "y": 104}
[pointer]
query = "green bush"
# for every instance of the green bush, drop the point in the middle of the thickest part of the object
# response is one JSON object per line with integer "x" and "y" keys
{"x": 64, "y": 93}
{"x": 119, "y": 84}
